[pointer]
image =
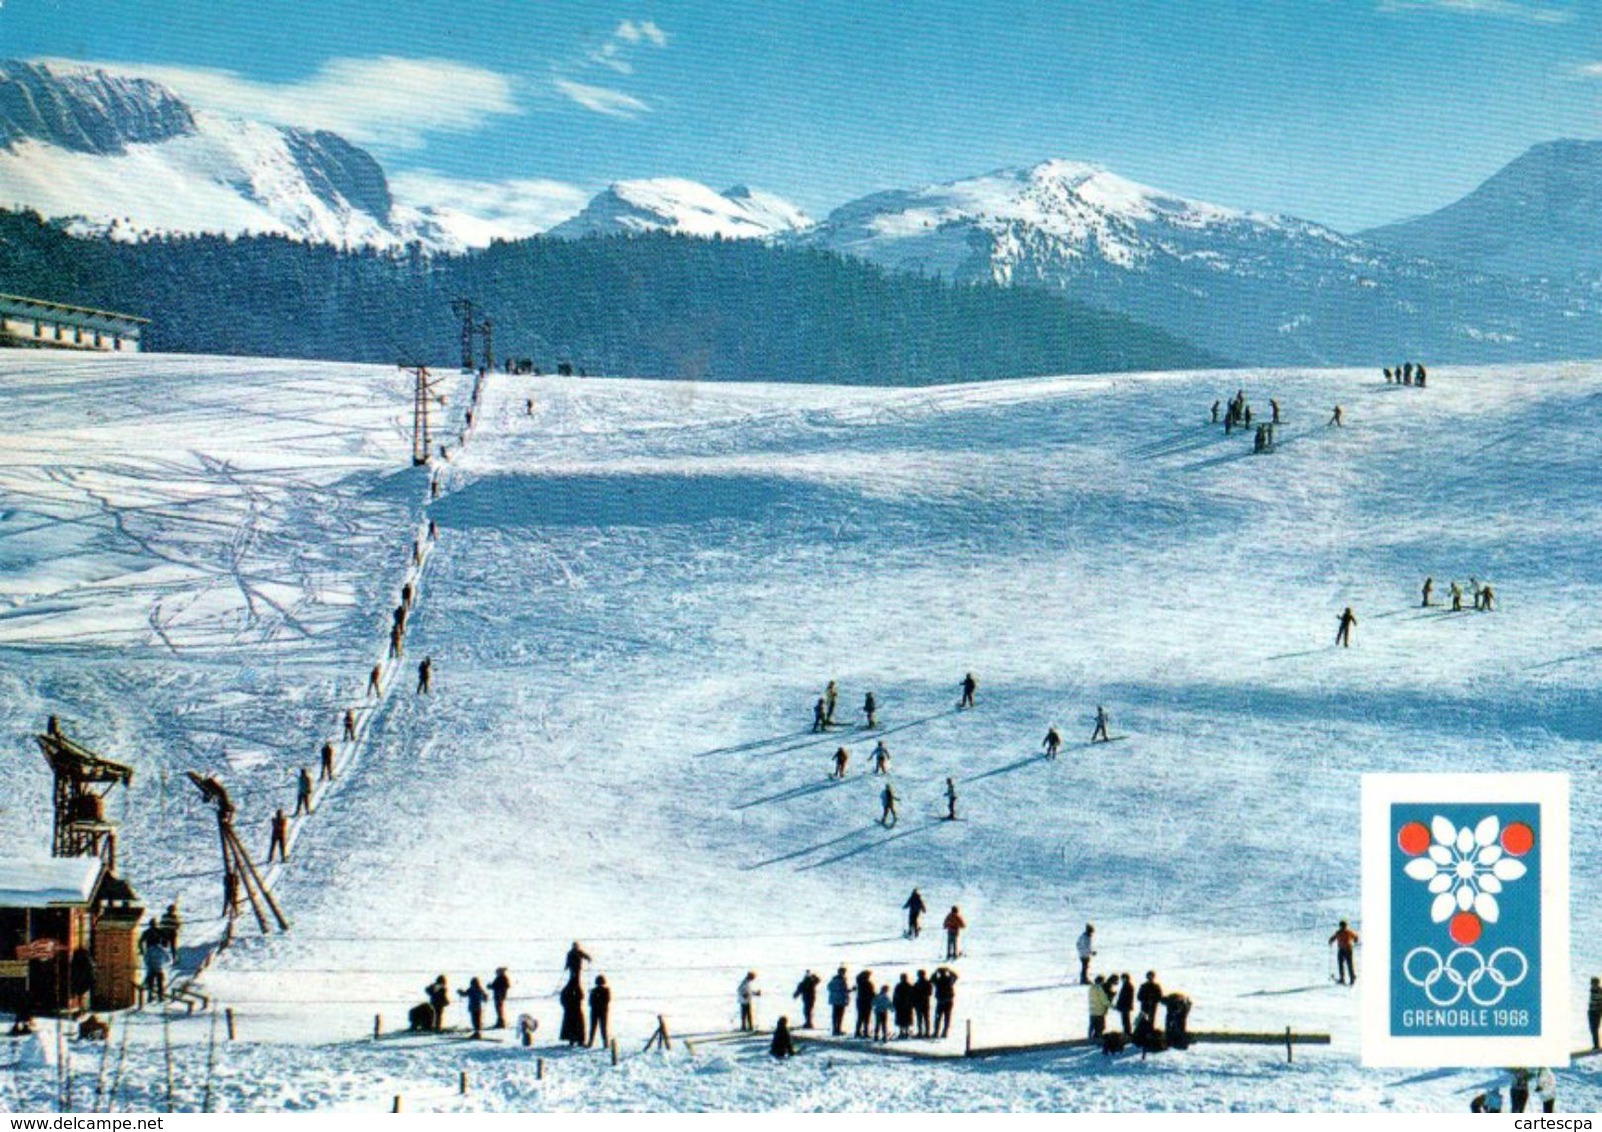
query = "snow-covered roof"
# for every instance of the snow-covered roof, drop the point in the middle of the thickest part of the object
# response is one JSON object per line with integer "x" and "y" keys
{"x": 39, "y": 882}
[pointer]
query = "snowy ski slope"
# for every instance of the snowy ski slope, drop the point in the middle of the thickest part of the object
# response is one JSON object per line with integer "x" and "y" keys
{"x": 638, "y": 592}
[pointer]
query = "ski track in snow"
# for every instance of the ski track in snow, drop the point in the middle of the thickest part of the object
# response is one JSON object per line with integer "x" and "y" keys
{"x": 637, "y": 594}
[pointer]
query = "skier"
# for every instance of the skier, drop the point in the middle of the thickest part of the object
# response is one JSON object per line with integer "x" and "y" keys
{"x": 326, "y": 773}
{"x": 280, "y": 837}
{"x": 1176, "y": 1017}
{"x": 901, "y": 1001}
{"x": 864, "y": 1002}
{"x": 945, "y": 993}
{"x": 1429, "y": 588}
{"x": 1343, "y": 635}
{"x": 881, "y": 758}
{"x": 1387, "y": 377}
{"x": 1149, "y": 995}
{"x": 572, "y": 1000}
{"x": 1086, "y": 948}
{"x": 1474, "y": 588}
{"x": 1100, "y": 734}
{"x": 915, "y": 909}
{"x": 600, "y": 1008}
{"x": 1593, "y": 1012}
{"x": 1344, "y": 940}
{"x": 1273, "y": 406}
{"x": 831, "y": 695}
{"x": 807, "y": 991}
{"x": 839, "y": 999}
{"x": 500, "y": 986}
{"x": 1215, "y": 412}
{"x": 303, "y": 794}
{"x": 1125, "y": 1003}
{"x": 881, "y": 1014}
{"x": 888, "y": 797}
{"x": 1260, "y": 440}
{"x": 158, "y": 957}
{"x": 350, "y": 726}
{"x": 922, "y": 999}
{"x": 372, "y": 681}
{"x": 395, "y": 641}
{"x": 1053, "y": 742}
{"x": 576, "y": 958}
{"x": 1100, "y": 1003}
{"x": 1335, "y": 419}
{"x": 783, "y": 1044}
{"x": 869, "y": 707}
{"x": 820, "y": 716}
{"x": 1518, "y": 1092}
{"x": 1418, "y": 376}
{"x": 425, "y": 671}
{"x": 1457, "y": 597}
{"x": 841, "y": 758}
{"x": 747, "y": 993}
{"x": 529, "y": 406}
{"x": 1407, "y": 373}
{"x": 439, "y": 997}
{"x": 406, "y": 596}
{"x": 954, "y": 923}
{"x": 951, "y": 800}
{"x": 475, "y": 996}
{"x": 969, "y": 687}
{"x": 1487, "y": 599}
{"x": 1546, "y": 1089}
{"x": 433, "y": 531}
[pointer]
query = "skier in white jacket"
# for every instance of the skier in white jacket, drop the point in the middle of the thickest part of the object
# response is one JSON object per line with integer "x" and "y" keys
{"x": 747, "y": 993}
{"x": 1087, "y": 949}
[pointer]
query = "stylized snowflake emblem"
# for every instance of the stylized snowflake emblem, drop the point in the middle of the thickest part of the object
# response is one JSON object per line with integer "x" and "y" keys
{"x": 1465, "y": 869}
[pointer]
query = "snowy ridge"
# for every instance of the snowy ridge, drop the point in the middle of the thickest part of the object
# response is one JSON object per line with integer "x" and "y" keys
{"x": 673, "y": 204}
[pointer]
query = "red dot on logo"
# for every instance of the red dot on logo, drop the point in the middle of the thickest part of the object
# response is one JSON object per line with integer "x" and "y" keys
{"x": 1518, "y": 838}
{"x": 1464, "y": 928}
{"x": 1413, "y": 838}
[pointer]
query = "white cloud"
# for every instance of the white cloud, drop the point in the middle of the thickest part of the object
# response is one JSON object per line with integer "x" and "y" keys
{"x": 1589, "y": 70}
{"x": 614, "y": 51}
{"x": 504, "y": 209}
{"x": 385, "y": 101}
{"x": 645, "y": 31}
{"x": 1504, "y": 9}
{"x": 603, "y": 100}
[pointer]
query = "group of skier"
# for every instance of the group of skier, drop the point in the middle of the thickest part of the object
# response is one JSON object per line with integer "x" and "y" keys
{"x": 916, "y": 1008}
{"x": 430, "y": 1014}
{"x": 573, "y": 1000}
{"x": 1408, "y": 373}
{"x": 1484, "y": 597}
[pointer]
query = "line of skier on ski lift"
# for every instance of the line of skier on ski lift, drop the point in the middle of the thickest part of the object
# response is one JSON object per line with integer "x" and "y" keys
{"x": 1408, "y": 373}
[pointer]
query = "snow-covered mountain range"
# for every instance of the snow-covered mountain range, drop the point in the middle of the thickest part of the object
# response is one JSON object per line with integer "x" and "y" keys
{"x": 672, "y": 204}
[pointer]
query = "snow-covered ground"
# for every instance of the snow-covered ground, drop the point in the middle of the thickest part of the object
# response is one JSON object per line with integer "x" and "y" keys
{"x": 638, "y": 592}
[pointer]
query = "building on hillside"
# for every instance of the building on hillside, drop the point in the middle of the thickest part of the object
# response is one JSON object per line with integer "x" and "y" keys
{"x": 66, "y": 936}
{"x": 59, "y": 326}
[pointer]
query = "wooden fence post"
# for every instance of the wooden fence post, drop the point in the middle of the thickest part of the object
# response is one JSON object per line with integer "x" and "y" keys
{"x": 461, "y": 1083}
{"x": 228, "y": 1014}
{"x": 539, "y": 1069}
{"x": 395, "y": 1106}
{"x": 967, "y": 1047}
{"x": 1289, "y": 1055}
{"x": 378, "y": 1025}
{"x": 613, "y": 1046}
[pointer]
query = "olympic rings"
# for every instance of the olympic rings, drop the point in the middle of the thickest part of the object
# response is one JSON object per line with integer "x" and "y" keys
{"x": 1465, "y": 971}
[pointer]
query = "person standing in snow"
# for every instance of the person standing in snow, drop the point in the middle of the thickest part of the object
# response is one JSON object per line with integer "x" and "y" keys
{"x": 922, "y": 999}
{"x": 864, "y": 1003}
{"x": 572, "y": 1000}
{"x": 969, "y": 687}
{"x": 1215, "y": 412}
{"x": 1125, "y": 1003}
{"x": 881, "y": 758}
{"x": 881, "y": 1014}
{"x": 395, "y": 638}
{"x": 831, "y": 696}
{"x": 475, "y": 995}
{"x": 807, "y": 991}
{"x": 746, "y": 994}
{"x": 945, "y": 994}
{"x": 1487, "y": 598}
{"x": 1456, "y": 593}
{"x": 425, "y": 673}
{"x": 839, "y": 991}
{"x": 326, "y": 774}
{"x": 951, "y": 800}
{"x": 1086, "y": 948}
{"x": 820, "y": 716}
{"x": 1335, "y": 419}
{"x": 500, "y": 986}
{"x": 350, "y": 726}
{"x": 1273, "y": 406}
{"x": 901, "y": 1001}
{"x": 1344, "y": 940}
{"x": 303, "y": 793}
{"x": 1149, "y": 995}
{"x": 841, "y": 758}
{"x": 1429, "y": 588}
{"x": 1343, "y": 634}
{"x": 783, "y": 1045}
{"x": 576, "y": 958}
{"x": 870, "y": 708}
{"x": 373, "y": 688}
{"x": 1546, "y": 1089}
{"x": 1053, "y": 742}
{"x": 280, "y": 838}
{"x": 888, "y": 797}
{"x": 1593, "y": 1012}
{"x": 915, "y": 909}
{"x": 600, "y": 1009}
{"x": 1099, "y": 735}
{"x": 1100, "y": 1003}
{"x": 954, "y": 923}
{"x": 439, "y": 997}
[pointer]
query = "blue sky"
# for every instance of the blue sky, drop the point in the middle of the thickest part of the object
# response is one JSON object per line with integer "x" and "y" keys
{"x": 1349, "y": 112}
